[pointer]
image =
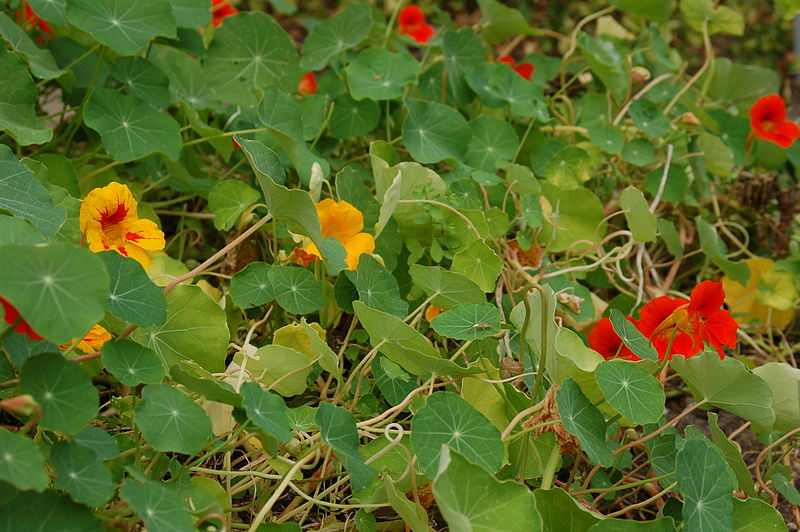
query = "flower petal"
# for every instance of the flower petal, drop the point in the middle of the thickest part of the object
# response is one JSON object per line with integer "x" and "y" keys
{"x": 145, "y": 234}
{"x": 355, "y": 246}
{"x": 656, "y": 311}
{"x": 110, "y": 204}
{"x": 706, "y": 298}
{"x": 339, "y": 219}
{"x": 136, "y": 253}
{"x": 604, "y": 339}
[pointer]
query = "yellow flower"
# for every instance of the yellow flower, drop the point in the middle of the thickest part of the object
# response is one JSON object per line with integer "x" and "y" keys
{"x": 109, "y": 220}
{"x": 92, "y": 342}
{"x": 342, "y": 221}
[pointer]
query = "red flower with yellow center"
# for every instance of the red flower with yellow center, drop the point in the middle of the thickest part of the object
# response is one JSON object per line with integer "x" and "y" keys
{"x": 342, "y": 221}
{"x": 221, "y": 9}
{"x": 607, "y": 342}
{"x": 308, "y": 84}
{"x": 92, "y": 342}
{"x": 768, "y": 121}
{"x": 109, "y": 220}
{"x": 523, "y": 69}
{"x": 11, "y": 315}
{"x": 411, "y": 22}
{"x": 688, "y": 324}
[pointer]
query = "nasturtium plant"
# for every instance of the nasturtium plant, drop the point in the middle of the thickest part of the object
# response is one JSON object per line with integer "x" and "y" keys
{"x": 276, "y": 265}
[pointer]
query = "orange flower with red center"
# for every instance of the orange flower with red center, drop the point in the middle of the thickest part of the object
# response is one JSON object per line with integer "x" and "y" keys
{"x": 342, "y": 221}
{"x": 768, "y": 121}
{"x": 412, "y": 22}
{"x": 11, "y": 315}
{"x": 605, "y": 340}
{"x": 109, "y": 220}
{"x": 681, "y": 327}
{"x": 92, "y": 342}
{"x": 523, "y": 69}
{"x": 221, "y": 9}
{"x": 308, "y": 84}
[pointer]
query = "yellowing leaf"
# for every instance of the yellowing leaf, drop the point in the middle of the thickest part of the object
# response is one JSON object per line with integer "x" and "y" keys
{"x": 763, "y": 299}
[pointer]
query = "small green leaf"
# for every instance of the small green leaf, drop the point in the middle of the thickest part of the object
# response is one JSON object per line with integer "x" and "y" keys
{"x": 654, "y": 10}
{"x": 631, "y": 390}
{"x": 131, "y": 129}
{"x": 570, "y": 215}
{"x": 24, "y": 196}
{"x": 606, "y": 61}
{"x": 706, "y": 483}
{"x": 158, "y": 507}
{"x": 131, "y": 363}
{"x": 18, "y": 102}
{"x": 479, "y": 263}
{"x": 170, "y": 421}
{"x": 607, "y": 138}
{"x": 583, "y": 420}
{"x": 633, "y": 339}
{"x": 639, "y": 152}
{"x": 569, "y": 168}
{"x": 640, "y": 220}
{"x": 81, "y": 473}
{"x": 433, "y": 132}
{"x": 338, "y": 428}
{"x": 492, "y": 141}
{"x": 500, "y": 21}
{"x": 786, "y": 488}
{"x": 296, "y": 289}
{"x": 53, "y": 512}
{"x": 447, "y": 288}
{"x": 228, "y": 199}
{"x": 22, "y": 464}
{"x": 378, "y": 74}
{"x": 334, "y": 35}
{"x": 191, "y": 13}
{"x": 132, "y": 296}
{"x": 462, "y": 50}
{"x": 448, "y": 420}
{"x": 200, "y": 381}
{"x": 99, "y": 441}
{"x": 468, "y": 322}
{"x": 63, "y": 390}
{"x": 284, "y": 365}
{"x": 721, "y": 19}
{"x": 717, "y": 156}
{"x": 669, "y": 234}
{"x": 125, "y": 26}
{"x": 251, "y": 286}
{"x": 649, "y": 118}
{"x": 377, "y": 287}
{"x": 267, "y": 411}
{"x": 714, "y": 249}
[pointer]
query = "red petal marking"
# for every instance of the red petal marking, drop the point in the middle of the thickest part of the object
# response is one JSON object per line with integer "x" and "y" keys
{"x": 706, "y": 298}
{"x": 108, "y": 219}
{"x": 122, "y": 250}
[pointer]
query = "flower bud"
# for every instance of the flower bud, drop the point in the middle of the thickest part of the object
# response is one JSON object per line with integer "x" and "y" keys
{"x": 690, "y": 119}
{"x": 640, "y": 74}
{"x": 315, "y": 183}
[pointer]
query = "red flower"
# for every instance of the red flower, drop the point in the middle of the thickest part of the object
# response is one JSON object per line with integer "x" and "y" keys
{"x": 30, "y": 16}
{"x": 607, "y": 342}
{"x": 412, "y": 23}
{"x": 768, "y": 121}
{"x": 691, "y": 322}
{"x": 302, "y": 257}
{"x": 11, "y": 315}
{"x": 220, "y": 9}
{"x": 308, "y": 84}
{"x": 523, "y": 69}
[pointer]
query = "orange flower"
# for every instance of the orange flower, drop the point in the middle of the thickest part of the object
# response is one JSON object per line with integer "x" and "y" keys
{"x": 342, "y": 221}
{"x": 220, "y": 9}
{"x": 432, "y": 312}
{"x": 302, "y": 257}
{"x": 411, "y": 22}
{"x": 768, "y": 121}
{"x": 92, "y": 342}
{"x": 109, "y": 220}
{"x": 308, "y": 84}
{"x": 11, "y": 315}
{"x": 523, "y": 69}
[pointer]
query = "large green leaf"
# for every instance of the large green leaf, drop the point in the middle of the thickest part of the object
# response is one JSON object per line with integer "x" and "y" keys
{"x": 131, "y": 129}
{"x": 251, "y": 286}
{"x": 63, "y": 390}
{"x": 378, "y": 74}
{"x": 641, "y": 221}
{"x": 131, "y": 363}
{"x": 582, "y": 419}
{"x": 25, "y": 196}
{"x": 228, "y": 199}
{"x": 784, "y": 382}
{"x": 17, "y": 102}
{"x": 479, "y": 263}
{"x": 629, "y": 525}
{"x": 266, "y": 410}
{"x": 470, "y": 498}
{"x": 606, "y": 61}
{"x": 60, "y": 289}
{"x": 142, "y": 79}
{"x": 377, "y": 287}
{"x": 191, "y": 13}
{"x": 98, "y": 440}
{"x": 468, "y": 322}
{"x": 448, "y": 420}
{"x": 728, "y": 384}
{"x": 557, "y": 507}
{"x": 570, "y": 215}
{"x": 158, "y": 507}
{"x": 50, "y": 10}
{"x": 52, "y": 512}
{"x": 296, "y": 289}
{"x": 249, "y": 52}
{"x": 170, "y": 421}
{"x": 433, "y": 132}
{"x": 282, "y": 368}
{"x": 352, "y": 118}
{"x": 81, "y": 473}
{"x": 338, "y": 428}
{"x": 462, "y": 49}
{"x": 132, "y": 296}
{"x": 706, "y": 483}
{"x": 334, "y": 35}
{"x": 125, "y": 26}
{"x": 40, "y": 61}
{"x": 755, "y": 515}
{"x": 22, "y": 464}
{"x": 492, "y": 141}
{"x": 195, "y": 329}
{"x": 448, "y": 289}
{"x": 631, "y": 390}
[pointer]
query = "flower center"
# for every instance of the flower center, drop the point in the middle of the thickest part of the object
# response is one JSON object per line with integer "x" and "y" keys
{"x": 679, "y": 320}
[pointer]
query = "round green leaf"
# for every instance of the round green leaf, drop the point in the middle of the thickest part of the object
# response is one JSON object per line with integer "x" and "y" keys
{"x": 492, "y": 141}
{"x": 272, "y": 363}
{"x": 479, "y": 263}
{"x": 131, "y": 363}
{"x": 296, "y": 289}
{"x": 131, "y": 129}
{"x": 158, "y": 507}
{"x": 81, "y": 474}
{"x": 607, "y": 138}
{"x": 17, "y": 102}
{"x": 21, "y": 463}
{"x": 433, "y": 132}
{"x": 170, "y": 421}
{"x": 63, "y": 389}
{"x": 334, "y": 35}
{"x": 447, "y": 419}
{"x": 195, "y": 329}
{"x": 377, "y": 287}
{"x": 99, "y": 441}
{"x": 448, "y": 288}
{"x": 468, "y": 322}
{"x": 648, "y": 118}
{"x": 351, "y": 118}
{"x": 569, "y": 168}
{"x": 379, "y": 74}
{"x": 267, "y": 411}
{"x": 132, "y": 296}
{"x": 251, "y": 286}
{"x": 142, "y": 79}
{"x": 631, "y": 390}
{"x": 228, "y": 199}
{"x": 706, "y": 483}
{"x": 784, "y": 382}
{"x": 125, "y": 26}
{"x": 48, "y": 511}
{"x": 570, "y": 215}
{"x": 639, "y": 152}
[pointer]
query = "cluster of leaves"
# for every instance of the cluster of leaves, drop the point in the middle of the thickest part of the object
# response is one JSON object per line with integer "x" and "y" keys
{"x": 267, "y": 389}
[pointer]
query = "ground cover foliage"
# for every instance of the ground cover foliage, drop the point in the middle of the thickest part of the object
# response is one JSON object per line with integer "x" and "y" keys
{"x": 373, "y": 269}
